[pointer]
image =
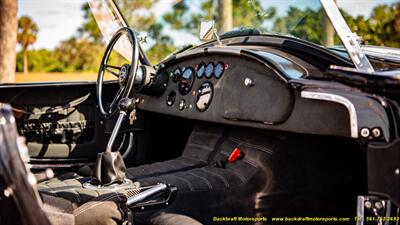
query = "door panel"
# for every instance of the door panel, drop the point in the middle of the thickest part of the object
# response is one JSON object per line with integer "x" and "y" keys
{"x": 69, "y": 133}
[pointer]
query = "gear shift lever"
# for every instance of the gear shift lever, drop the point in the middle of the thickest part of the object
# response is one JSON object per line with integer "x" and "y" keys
{"x": 110, "y": 167}
{"x": 125, "y": 105}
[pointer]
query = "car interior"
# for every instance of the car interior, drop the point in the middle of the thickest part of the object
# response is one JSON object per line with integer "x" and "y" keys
{"x": 251, "y": 129}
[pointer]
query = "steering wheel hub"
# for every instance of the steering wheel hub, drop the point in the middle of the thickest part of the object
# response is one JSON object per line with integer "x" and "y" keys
{"x": 123, "y": 74}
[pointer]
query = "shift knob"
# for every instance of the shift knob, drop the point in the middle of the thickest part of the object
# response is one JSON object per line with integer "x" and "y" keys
{"x": 126, "y": 105}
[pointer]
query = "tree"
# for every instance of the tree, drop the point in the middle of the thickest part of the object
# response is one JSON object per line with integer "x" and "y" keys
{"x": 224, "y": 15}
{"x": 78, "y": 55}
{"x": 381, "y": 28}
{"x": 304, "y": 24}
{"x": 328, "y": 31}
{"x": 89, "y": 28}
{"x": 41, "y": 60}
{"x": 245, "y": 13}
{"x": 8, "y": 40}
{"x": 27, "y": 34}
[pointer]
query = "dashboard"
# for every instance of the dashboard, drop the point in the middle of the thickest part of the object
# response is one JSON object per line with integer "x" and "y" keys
{"x": 261, "y": 88}
{"x": 223, "y": 86}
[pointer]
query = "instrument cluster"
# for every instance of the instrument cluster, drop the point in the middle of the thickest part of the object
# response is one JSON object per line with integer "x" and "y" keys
{"x": 185, "y": 78}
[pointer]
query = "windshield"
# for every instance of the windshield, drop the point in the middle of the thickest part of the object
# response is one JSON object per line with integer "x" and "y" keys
{"x": 171, "y": 24}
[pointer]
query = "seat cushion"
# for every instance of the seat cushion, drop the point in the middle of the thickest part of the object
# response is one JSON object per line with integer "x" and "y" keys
{"x": 256, "y": 146}
{"x": 106, "y": 209}
{"x": 173, "y": 219}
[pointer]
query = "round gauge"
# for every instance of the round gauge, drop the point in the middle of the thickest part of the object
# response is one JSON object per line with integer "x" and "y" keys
{"x": 186, "y": 82}
{"x": 200, "y": 70}
{"x": 176, "y": 75}
{"x": 204, "y": 96}
{"x": 209, "y": 70}
{"x": 219, "y": 70}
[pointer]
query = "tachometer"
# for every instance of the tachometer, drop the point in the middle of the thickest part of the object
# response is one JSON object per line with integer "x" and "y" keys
{"x": 209, "y": 70}
{"x": 186, "y": 82}
{"x": 200, "y": 70}
{"x": 219, "y": 70}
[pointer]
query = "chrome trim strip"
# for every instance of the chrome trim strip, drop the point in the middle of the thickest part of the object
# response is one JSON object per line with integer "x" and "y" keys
{"x": 338, "y": 99}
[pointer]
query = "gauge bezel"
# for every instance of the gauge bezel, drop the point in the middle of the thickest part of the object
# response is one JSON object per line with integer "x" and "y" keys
{"x": 174, "y": 79}
{"x": 173, "y": 95}
{"x": 223, "y": 69}
{"x": 212, "y": 72}
{"x": 191, "y": 82}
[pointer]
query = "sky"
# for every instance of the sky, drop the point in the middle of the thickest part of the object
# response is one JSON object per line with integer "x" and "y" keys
{"x": 59, "y": 19}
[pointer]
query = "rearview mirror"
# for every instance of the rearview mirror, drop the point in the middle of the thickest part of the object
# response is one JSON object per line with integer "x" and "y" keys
{"x": 207, "y": 30}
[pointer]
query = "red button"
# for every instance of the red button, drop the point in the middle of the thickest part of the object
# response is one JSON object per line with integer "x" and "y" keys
{"x": 234, "y": 155}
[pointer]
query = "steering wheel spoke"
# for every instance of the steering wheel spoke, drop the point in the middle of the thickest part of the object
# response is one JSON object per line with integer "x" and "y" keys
{"x": 117, "y": 97}
{"x": 114, "y": 67}
{"x": 112, "y": 72}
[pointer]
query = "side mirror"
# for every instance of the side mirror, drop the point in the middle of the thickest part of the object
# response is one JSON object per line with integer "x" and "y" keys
{"x": 207, "y": 30}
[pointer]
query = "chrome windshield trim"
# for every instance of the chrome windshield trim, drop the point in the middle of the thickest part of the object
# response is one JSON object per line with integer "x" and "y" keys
{"x": 349, "y": 39}
{"x": 337, "y": 99}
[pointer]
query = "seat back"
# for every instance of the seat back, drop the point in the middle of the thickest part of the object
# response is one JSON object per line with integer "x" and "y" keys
{"x": 203, "y": 141}
{"x": 19, "y": 200}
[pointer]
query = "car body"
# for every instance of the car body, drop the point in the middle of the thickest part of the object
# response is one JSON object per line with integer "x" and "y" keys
{"x": 334, "y": 112}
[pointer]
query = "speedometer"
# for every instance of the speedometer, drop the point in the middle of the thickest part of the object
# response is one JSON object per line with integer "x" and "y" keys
{"x": 209, "y": 70}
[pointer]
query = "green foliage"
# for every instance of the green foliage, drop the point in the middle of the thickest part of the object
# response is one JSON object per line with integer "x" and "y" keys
{"x": 381, "y": 28}
{"x": 89, "y": 29}
{"x": 305, "y": 24}
{"x": 39, "y": 61}
{"x": 246, "y": 13}
{"x": 159, "y": 51}
{"x": 250, "y": 13}
{"x": 137, "y": 13}
{"x": 70, "y": 56}
{"x": 79, "y": 55}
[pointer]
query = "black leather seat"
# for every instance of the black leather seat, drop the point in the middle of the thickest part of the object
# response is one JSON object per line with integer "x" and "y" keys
{"x": 209, "y": 190}
{"x": 280, "y": 174}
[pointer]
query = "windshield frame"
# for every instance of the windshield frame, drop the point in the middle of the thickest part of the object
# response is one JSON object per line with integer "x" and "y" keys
{"x": 350, "y": 40}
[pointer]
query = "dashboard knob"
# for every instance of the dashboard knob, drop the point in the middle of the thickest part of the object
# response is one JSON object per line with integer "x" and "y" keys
{"x": 182, "y": 104}
{"x": 248, "y": 82}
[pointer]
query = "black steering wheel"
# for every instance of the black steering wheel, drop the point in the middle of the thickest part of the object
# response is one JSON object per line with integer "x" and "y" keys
{"x": 126, "y": 73}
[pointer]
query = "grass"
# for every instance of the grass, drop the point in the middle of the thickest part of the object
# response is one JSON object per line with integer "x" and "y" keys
{"x": 57, "y": 77}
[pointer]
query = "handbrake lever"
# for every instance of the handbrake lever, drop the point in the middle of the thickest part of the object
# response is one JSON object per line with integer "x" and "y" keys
{"x": 147, "y": 193}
